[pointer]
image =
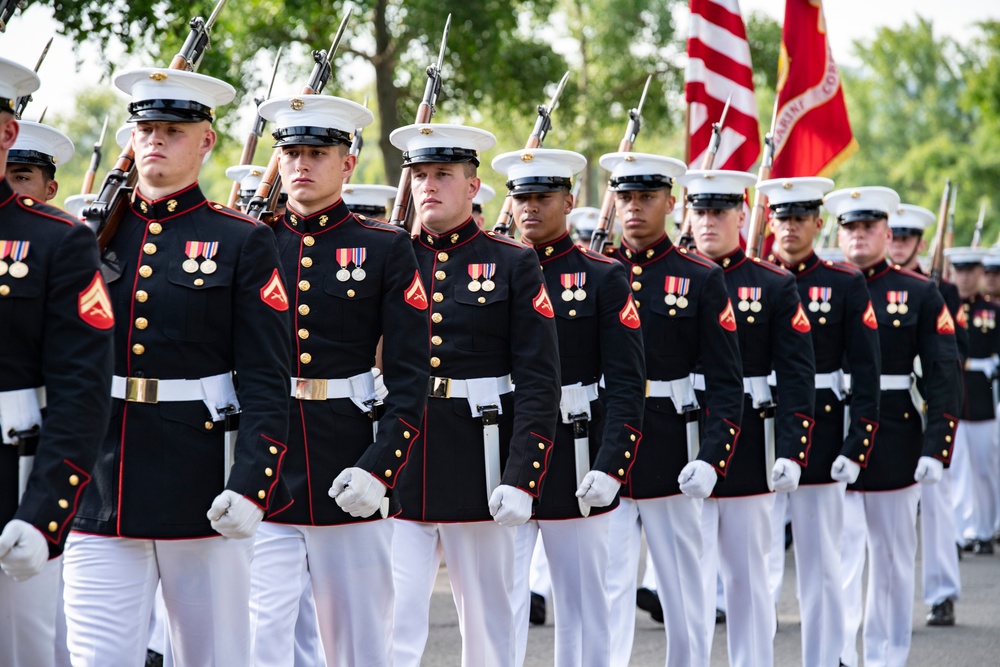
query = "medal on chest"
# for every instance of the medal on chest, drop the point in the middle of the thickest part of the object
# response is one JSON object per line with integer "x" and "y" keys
{"x": 195, "y": 249}
{"x": 749, "y": 299}
{"x": 984, "y": 320}
{"x": 346, "y": 257}
{"x": 18, "y": 252}
{"x": 572, "y": 284}
{"x": 676, "y": 289}
{"x": 897, "y": 302}
{"x": 819, "y": 299}
{"x": 484, "y": 271}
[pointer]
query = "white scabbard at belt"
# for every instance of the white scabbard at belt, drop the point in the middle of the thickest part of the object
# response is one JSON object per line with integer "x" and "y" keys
{"x": 574, "y": 407}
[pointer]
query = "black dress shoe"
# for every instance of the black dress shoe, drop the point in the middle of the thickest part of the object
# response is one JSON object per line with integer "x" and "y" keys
{"x": 942, "y": 614}
{"x": 983, "y": 548}
{"x": 153, "y": 659}
{"x": 536, "y": 614}
{"x": 788, "y": 536}
{"x": 649, "y": 601}
{"x": 720, "y": 616}
{"x": 968, "y": 545}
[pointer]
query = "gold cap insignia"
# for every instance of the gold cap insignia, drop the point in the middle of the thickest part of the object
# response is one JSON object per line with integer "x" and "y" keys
{"x": 629, "y": 158}
{"x": 786, "y": 185}
{"x": 855, "y": 194}
{"x": 256, "y": 172}
{"x": 709, "y": 177}
{"x": 157, "y": 76}
{"x": 296, "y": 104}
{"x": 426, "y": 130}
{"x": 527, "y": 157}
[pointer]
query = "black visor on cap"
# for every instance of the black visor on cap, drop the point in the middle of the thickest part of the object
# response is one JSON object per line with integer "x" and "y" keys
{"x": 477, "y": 208}
{"x": 794, "y": 209}
{"x": 907, "y": 231}
{"x": 991, "y": 268}
{"x": 370, "y": 211}
{"x": 533, "y": 184}
{"x": 177, "y": 111}
{"x": 7, "y": 104}
{"x": 964, "y": 266}
{"x": 310, "y": 136}
{"x": 641, "y": 182}
{"x": 854, "y": 216}
{"x": 714, "y": 202}
{"x": 440, "y": 154}
{"x": 19, "y": 156}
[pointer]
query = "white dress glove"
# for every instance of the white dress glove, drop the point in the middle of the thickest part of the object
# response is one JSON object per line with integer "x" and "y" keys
{"x": 598, "y": 489}
{"x": 697, "y": 479}
{"x": 357, "y": 492}
{"x": 23, "y": 551}
{"x": 929, "y": 470}
{"x": 234, "y": 516}
{"x": 510, "y": 506}
{"x": 845, "y": 470}
{"x": 785, "y": 475}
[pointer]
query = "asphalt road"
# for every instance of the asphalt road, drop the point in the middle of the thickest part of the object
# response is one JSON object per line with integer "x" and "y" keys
{"x": 974, "y": 641}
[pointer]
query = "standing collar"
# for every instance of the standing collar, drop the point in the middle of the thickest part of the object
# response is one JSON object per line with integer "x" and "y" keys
{"x": 876, "y": 270}
{"x": 171, "y": 206}
{"x": 320, "y": 221}
{"x": 647, "y": 255}
{"x": 732, "y": 260}
{"x": 549, "y": 251}
{"x": 453, "y": 237}
{"x": 798, "y": 268}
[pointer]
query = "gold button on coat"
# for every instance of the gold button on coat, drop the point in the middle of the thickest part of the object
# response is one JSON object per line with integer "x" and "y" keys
{"x": 141, "y": 296}
{"x": 155, "y": 228}
{"x": 307, "y": 262}
{"x": 435, "y": 362}
{"x": 303, "y": 309}
{"x": 303, "y": 333}
{"x": 138, "y": 348}
{"x": 141, "y": 323}
{"x": 145, "y": 270}
{"x": 149, "y": 248}
{"x": 304, "y": 285}
{"x": 305, "y": 357}
{"x": 308, "y": 240}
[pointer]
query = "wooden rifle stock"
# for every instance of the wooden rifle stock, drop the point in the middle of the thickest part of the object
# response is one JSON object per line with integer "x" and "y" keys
{"x": 937, "y": 257}
{"x": 686, "y": 239}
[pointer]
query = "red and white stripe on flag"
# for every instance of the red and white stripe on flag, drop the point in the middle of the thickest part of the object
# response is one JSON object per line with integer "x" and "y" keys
{"x": 719, "y": 64}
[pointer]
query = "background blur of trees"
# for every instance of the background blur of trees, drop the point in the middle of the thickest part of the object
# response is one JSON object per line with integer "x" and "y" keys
{"x": 923, "y": 107}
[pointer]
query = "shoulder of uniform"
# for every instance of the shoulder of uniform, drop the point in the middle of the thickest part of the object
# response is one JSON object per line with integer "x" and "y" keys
{"x": 842, "y": 267}
{"x": 909, "y": 274}
{"x": 43, "y": 210}
{"x": 773, "y": 268}
{"x": 596, "y": 256}
{"x": 222, "y": 209}
{"x": 695, "y": 258}
{"x": 372, "y": 223}
{"x": 503, "y": 238}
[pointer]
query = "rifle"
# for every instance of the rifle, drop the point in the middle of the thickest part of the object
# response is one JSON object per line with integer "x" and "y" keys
{"x": 686, "y": 239}
{"x": 949, "y": 237}
{"x": 106, "y": 212}
{"x": 250, "y": 145}
{"x": 358, "y": 142}
{"x": 505, "y": 221}
{"x": 977, "y": 235}
{"x": 22, "y": 101}
{"x": 95, "y": 161}
{"x": 606, "y": 220}
{"x": 937, "y": 257}
{"x": 758, "y": 218}
{"x": 41, "y": 116}
{"x": 7, "y": 8}
{"x": 265, "y": 200}
{"x": 402, "y": 205}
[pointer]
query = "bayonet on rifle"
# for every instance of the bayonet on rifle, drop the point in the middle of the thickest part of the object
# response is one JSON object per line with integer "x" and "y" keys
{"x": 22, "y": 101}
{"x": 7, "y": 8}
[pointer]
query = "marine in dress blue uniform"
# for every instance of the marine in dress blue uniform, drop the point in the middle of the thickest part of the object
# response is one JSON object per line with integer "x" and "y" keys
{"x": 774, "y": 336}
{"x": 845, "y": 340}
{"x": 355, "y": 283}
{"x": 55, "y": 373}
{"x": 479, "y": 464}
{"x": 198, "y": 297}
{"x": 687, "y": 321}
{"x": 942, "y": 583}
{"x": 913, "y": 322}
{"x": 598, "y": 437}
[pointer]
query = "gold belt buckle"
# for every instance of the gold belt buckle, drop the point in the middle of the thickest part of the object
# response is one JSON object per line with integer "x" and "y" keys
{"x": 440, "y": 387}
{"x": 310, "y": 390}
{"x": 647, "y": 388}
{"x": 141, "y": 390}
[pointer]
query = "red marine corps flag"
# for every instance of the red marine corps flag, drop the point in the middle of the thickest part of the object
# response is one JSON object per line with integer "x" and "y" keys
{"x": 719, "y": 66}
{"x": 812, "y": 134}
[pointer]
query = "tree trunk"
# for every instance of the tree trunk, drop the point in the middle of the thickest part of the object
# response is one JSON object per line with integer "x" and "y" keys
{"x": 385, "y": 90}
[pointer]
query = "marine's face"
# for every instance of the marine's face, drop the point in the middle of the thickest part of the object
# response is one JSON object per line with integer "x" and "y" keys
{"x": 31, "y": 180}
{"x": 169, "y": 153}
{"x": 313, "y": 176}
{"x": 442, "y": 194}
{"x": 541, "y": 216}
{"x": 643, "y": 214}
{"x": 864, "y": 241}
{"x": 717, "y": 231}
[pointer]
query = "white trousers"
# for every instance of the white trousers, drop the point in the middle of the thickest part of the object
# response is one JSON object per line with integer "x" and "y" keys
{"x": 308, "y": 648}
{"x": 350, "y": 569}
{"x": 737, "y": 541}
{"x": 780, "y": 516}
{"x": 939, "y": 555}
{"x": 963, "y": 494}
{"x": 976, "y": 500}
{"x": 539, "y": 579}
{"x": 480, "y": 560}
{"x": 817, "y": 512}
{"x": 673, "y": 540}
{"x": 110, "y": 588}
{"x": 578, "y": 565}
{"x": 890, "y": 519}
{"x": 28, "y": 614}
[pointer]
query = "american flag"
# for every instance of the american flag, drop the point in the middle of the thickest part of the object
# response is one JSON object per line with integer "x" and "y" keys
{"x": 719, "y": 65}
